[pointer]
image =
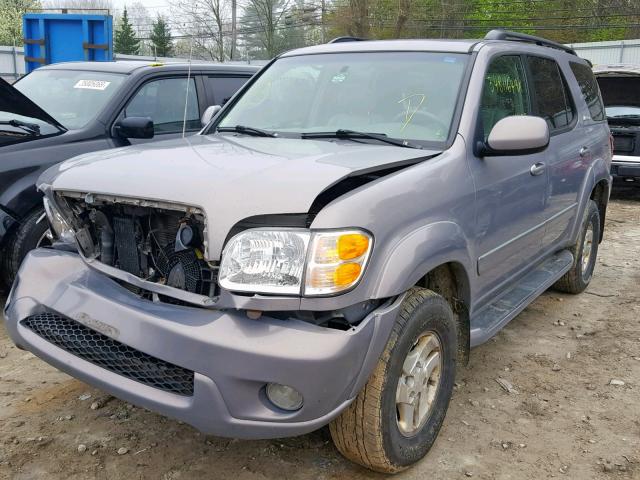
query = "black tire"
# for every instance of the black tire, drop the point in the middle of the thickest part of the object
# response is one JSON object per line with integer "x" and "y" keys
{"x": 21, "y": 241}
{"x": 368, "y": 432}
{"x": 577, "y": 279}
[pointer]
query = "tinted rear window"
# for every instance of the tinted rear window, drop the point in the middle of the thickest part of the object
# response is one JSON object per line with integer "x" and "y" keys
{"x": 223, "y": 87}
{"x": 589, "y": 89}
{"x": 551, "y": 98}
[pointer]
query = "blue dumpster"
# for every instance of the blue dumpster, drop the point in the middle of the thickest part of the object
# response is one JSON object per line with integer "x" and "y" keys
{"x": 51, "y": 38}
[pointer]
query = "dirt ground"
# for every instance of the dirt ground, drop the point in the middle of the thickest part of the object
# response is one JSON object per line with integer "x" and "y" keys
{"x": 566, "y": 419}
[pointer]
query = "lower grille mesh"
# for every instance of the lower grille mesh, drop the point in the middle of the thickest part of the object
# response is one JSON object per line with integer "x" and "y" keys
{"x": 110, "y": 354}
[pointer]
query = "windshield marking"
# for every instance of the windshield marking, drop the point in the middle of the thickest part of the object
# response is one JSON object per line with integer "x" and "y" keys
{"x": 92, "y": 84}
{"x": 408, "y": 114}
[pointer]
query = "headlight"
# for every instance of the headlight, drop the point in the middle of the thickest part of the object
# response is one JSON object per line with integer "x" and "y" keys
{"x": 59, "y": 225}
{"x": 279, "y": 261}
{"x": 265, "y": 261}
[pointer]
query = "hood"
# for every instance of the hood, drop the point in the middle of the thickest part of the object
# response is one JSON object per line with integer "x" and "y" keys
{"x": 15, "y": 102}
{"x": 229, "y": 177}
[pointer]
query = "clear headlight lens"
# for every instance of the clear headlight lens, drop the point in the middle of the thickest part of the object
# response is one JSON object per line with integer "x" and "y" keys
{"x": 59, "y": 225}
{"x": 265, "y": 261}
{"x": 277, "y": 261}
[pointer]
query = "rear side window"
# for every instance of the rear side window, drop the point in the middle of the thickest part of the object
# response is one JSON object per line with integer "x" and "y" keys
{"x": 223, "y": 87}
{"x": 552, "y": 100}
{"x": 504, "y": 92}
{"x": 589, "y": 89}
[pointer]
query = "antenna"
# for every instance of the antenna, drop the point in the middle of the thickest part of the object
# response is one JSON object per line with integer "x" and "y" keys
{"x": 186, "y": 99}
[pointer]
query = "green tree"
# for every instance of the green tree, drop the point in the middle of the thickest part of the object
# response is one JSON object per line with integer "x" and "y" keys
{"x": 11, "y": 12}
{"x": 261, "y": 27}
{"x": 565, "y": 21}
{"x": 161, "y": 44}
{"x": 126, "y": 41}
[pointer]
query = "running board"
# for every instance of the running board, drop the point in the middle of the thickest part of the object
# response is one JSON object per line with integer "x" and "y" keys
{"x": 491, "y": 319}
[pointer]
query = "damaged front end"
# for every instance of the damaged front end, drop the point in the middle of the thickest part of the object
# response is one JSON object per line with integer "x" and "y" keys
{"x": 139, "y": 243}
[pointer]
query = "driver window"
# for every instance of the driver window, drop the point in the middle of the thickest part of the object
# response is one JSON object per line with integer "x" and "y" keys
{"x": 504, "y": 93}
{"x": 163, "y": 101}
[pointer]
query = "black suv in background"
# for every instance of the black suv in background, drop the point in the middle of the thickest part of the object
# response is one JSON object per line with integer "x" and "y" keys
{"x": 67, "y": 109}
{"x": 620, "y": 87}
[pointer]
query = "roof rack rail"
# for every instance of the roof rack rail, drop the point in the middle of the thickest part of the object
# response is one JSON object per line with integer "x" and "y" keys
{"x": 347, "y": 39}
{"x": 499, "y": 34}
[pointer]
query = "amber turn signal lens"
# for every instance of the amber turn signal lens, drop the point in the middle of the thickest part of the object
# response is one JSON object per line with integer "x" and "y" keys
{"x": 346, "y": 274}
{"x": 352, "y": 245}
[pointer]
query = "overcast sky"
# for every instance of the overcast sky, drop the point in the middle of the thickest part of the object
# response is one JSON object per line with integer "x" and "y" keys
{"x": 154, "y": 6}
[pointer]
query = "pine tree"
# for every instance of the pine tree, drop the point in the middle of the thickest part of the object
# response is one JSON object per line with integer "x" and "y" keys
{"x": 161, "y": 38}
{"x": 125, "y": 38}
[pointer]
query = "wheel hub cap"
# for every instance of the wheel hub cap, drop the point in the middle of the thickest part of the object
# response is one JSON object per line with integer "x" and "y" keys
{"x": 418, "y": 384}
{"x": 587, "y": 246}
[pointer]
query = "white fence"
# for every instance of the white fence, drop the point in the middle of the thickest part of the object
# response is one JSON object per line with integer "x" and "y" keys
{"x": 11, "y": 63}
{"x": 619, "y": 51}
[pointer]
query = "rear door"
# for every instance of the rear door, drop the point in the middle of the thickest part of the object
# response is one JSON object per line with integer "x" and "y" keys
{"x": 566, "y": 160}
{"x": 510, "y": 189}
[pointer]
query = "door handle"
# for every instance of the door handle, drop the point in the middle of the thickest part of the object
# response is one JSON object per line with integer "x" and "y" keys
{"x": 584, "y": 151}
{"x": 537, "y": 169}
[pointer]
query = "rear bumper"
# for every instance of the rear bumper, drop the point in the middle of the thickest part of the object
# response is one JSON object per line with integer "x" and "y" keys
{"x": 626, "y": 168}
{"x": 232, "y": 356}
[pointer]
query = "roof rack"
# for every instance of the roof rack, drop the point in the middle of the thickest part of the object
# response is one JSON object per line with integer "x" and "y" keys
{"x": 347, "y": 39}
{"x": 499, "y": 34}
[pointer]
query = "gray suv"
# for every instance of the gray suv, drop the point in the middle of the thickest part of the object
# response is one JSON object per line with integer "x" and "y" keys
{"x": 355, "y": 219}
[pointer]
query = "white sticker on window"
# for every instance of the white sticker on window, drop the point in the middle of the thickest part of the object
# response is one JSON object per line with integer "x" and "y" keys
{"x": 92, "y": 84}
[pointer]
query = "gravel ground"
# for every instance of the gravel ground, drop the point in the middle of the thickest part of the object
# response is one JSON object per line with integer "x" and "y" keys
{"x": 574, "y": 362}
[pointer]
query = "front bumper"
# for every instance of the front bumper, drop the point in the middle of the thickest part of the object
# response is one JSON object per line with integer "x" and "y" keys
{"x": 232, "y": 356}
{"x": 626, "y": 168}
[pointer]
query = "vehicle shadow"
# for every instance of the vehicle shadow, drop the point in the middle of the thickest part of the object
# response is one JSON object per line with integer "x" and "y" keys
{"x": 624, "y": 192}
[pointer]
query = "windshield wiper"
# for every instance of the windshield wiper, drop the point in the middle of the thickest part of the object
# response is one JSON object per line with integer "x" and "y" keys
{"x": 32, "y": 128}
{"x": 256, "y": 132}
{"x": 342, "y": 133}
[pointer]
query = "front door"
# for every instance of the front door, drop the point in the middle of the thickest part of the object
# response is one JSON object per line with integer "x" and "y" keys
{"x": 511, "y": 189}
{"x": 164, "y": 100}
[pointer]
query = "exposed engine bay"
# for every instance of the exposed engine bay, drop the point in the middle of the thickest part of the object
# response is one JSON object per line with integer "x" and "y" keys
{"x": 163, "y": 243}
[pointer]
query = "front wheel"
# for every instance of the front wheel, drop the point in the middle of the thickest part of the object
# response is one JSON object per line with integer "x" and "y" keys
{"x": 396, "y": 417}
{"x": 33, "y": 232}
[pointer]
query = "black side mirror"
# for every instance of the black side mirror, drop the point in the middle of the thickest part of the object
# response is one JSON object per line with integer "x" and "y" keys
{"x": 134, "y": 127}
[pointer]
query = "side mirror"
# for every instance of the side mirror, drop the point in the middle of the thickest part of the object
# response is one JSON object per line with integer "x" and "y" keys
{"x": 209, "y": 113}
{"x": 135, "y": 127}
{"x": 517, "y": 135}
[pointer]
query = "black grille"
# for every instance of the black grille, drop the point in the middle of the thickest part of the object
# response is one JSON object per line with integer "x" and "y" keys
{"x": 623, "y": 143}
{"x": 124, "y": 230}
{"x": 111, "y": 355}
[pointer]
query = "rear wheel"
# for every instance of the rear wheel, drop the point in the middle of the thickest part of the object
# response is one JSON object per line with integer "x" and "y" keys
{"x": 585, "y": 251}
{"x": 396, "y": 417}
{"x": 33, "y": 232}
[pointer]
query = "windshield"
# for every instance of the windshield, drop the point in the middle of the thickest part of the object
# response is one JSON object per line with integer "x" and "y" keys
{"x": 72, "y": 97}
{"x": 622, "y": 111}
{"x": 404, "y": 95}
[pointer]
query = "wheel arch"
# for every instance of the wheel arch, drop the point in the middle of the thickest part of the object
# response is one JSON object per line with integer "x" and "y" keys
{"x": 600, "y": 195}
{"x": 437, "y": 257}
{"x": 450, "y": 280}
